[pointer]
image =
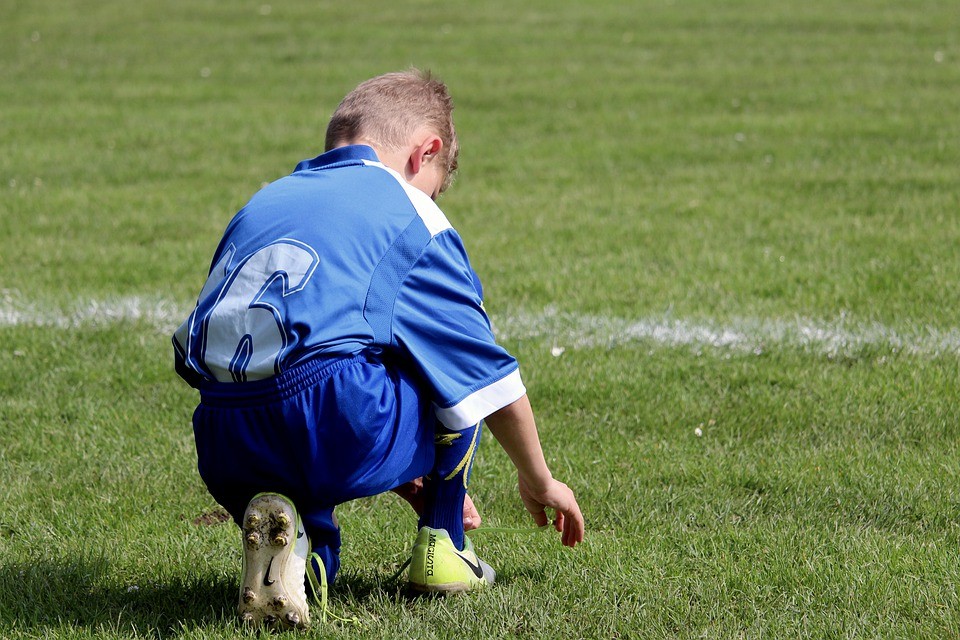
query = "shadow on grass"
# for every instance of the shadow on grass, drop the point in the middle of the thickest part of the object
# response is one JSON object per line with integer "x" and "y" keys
{"x": 363, "y": 587}
{"x": 85, "y": 594}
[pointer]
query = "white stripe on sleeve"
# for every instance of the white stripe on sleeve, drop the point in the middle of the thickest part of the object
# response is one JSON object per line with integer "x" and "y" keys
{"x": 479, "y": 404}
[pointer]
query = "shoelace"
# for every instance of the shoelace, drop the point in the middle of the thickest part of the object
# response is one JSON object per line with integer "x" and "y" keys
{"x": 319, "y": 587}
{"x": 319, "y": 584}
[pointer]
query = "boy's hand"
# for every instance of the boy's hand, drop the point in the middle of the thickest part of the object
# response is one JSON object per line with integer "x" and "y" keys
{"x": 559, "y": 497}
{"x": 471, "y": 517}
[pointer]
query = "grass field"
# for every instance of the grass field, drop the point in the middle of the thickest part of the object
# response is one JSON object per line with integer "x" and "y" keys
{"x": 721, "y": 238}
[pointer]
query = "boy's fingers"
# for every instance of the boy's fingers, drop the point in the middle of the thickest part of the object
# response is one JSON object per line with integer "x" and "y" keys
{"x": 540, "y": 518}
{"x": 573, "y": 530}
{"x": 558, "y": 521}
{"x": 471, "y": 517}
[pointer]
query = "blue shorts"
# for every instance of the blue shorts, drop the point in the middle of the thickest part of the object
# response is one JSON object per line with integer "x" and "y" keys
{"x": 322, "y": 433}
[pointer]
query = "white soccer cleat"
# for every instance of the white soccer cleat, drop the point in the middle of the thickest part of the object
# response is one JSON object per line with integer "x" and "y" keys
{"x": 275, "y": 550}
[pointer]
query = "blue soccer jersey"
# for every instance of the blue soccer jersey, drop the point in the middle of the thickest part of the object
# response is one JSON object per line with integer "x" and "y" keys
{"x": 344, "y": 258}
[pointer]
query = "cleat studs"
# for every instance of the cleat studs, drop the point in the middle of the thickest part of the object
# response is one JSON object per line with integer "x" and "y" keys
{"x": 247, "y": 618}
{"x": 253, "y": 538}
{"x": 253, "y": 520}
{"x": 280, "y": 540}
{"x": 283, "y": 520}
{"x": 279, "y": 602}
{"x": 249, "y": 595}
{"x": 293, "y": 618}
{"x": 269, "y": 619}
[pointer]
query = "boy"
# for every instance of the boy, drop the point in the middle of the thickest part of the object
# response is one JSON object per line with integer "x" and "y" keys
{"x": 341, "y": 350}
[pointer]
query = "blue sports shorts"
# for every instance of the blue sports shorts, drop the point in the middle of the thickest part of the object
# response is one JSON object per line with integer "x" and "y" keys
{"x": 322, "y": 433}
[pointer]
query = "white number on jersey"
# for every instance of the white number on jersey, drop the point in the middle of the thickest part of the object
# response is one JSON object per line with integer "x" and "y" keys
{"x": 244, "y": 336}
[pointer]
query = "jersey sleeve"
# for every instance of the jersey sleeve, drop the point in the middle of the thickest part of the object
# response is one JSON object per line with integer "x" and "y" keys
{"x": 439, "y": 323}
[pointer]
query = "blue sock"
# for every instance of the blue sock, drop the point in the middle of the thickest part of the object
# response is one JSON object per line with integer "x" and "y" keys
{"x": 446, "y": 486}
{"x": 324, "y": 532}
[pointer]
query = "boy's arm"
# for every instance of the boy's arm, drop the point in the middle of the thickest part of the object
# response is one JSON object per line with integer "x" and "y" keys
{"x": 515, "y": 429}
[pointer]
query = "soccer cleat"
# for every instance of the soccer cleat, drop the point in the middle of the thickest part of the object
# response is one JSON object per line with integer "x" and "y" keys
{"x": 438, "y": 567}
{"x": 272, "y": 590}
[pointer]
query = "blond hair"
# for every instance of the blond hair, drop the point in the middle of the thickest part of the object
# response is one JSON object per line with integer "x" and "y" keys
{"x": 388, "y": 109}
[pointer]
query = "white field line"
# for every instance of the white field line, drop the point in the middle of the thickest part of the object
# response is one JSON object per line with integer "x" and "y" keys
{"x": 166, "y": 315}
{"x": 831, "y": 338}
{"x": 560, "y": 330}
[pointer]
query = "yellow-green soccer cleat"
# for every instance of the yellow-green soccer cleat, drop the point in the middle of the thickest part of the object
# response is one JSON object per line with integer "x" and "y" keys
{"x": 275, "y": 550}
{"x": 438, "y": 567}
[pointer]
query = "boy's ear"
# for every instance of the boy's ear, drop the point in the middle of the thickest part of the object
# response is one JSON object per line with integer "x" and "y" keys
{"x": 424, "y": 152}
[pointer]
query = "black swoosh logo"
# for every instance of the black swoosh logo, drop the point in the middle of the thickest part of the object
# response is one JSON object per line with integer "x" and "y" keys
{"x": 476, "y": 568}
{"x": 266, "y": 576}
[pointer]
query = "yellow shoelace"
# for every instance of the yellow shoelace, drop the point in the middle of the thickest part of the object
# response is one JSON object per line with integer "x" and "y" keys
{"x": 319, "y": 587}
{"x": 318, "y": 584}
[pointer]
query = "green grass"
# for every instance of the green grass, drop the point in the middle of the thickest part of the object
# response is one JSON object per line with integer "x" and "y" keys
{"x": 722, "y": 164}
